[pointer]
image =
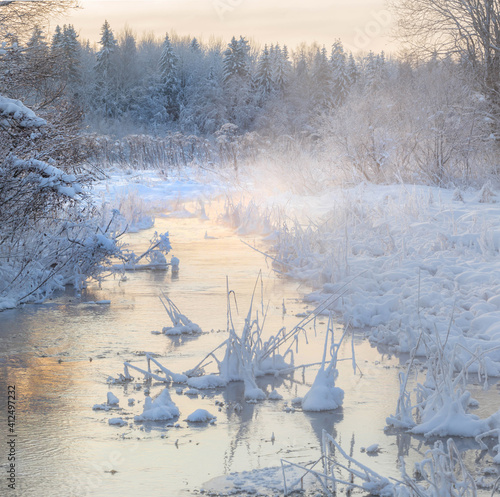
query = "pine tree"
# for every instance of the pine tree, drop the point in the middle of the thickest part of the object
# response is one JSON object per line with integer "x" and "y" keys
{"x": 105, "y": 55}
{"x": 352, "y": 70}
{"x": 105, "y": 69}
{"x": 195, "y": 46}
{"x": 281, "y": 68}
{"x": 322, "y": 80}
{"x": 56, "y": 39}
{"x": 264, "y": 77}
{"x": 169, "y": 79}
{"x": 236, "y": 61}
{"x": 37, "y": 39}
{"x": 70, "y": 52}
{"x": 375, "y": 70}
{"x": 340, "y": 78}
{"x": 208, "y": 105}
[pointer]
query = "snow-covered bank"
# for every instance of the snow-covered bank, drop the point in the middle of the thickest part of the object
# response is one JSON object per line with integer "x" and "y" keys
{"x": 413, "y": 258}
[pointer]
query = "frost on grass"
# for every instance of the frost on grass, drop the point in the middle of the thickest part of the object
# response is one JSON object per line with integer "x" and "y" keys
{"x": 324, "y": 395}
{"x": 441, "y": 473}
{"x": 419, "y": 252}
{"x": 246, "y": 356}
{"x": 181, "y": 324}
{"x": 168, "y": 376}
{"x": 441, "y": 406}
{"x": 162, "y": 408}
{"x": 154, "y": 257}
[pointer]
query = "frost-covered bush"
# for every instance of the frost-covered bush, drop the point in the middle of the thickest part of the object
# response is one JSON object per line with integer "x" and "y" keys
{"x": 50, "y": 234}
{"x": 441, "y": 405}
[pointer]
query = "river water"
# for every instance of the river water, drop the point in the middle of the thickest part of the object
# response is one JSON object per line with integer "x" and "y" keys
{"x": 60, "y": 354}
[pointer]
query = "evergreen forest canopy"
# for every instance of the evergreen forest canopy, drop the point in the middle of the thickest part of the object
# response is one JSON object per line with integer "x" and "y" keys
{"x": 177, "y": 100}
{"x": 370, "y": 116}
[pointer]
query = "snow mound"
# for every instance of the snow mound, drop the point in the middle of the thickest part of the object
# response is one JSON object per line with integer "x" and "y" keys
{"x": 323, "y": 395}
{"x": 160, "y": 409}
{"x": 112, "y": 399}
{"x": 254, "y": 394}
{"x": 117, "y": 422}
{"x": 201, "y": 416}
{"x": 206, "y": 382}
{"x": 274, "y": 395}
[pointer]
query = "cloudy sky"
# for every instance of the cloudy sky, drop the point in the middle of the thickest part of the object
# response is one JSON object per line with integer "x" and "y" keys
{"x": 362, "y": 25}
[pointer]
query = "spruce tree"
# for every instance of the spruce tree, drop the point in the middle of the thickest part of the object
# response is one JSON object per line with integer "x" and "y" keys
{"x": 236, "y": 61}
{"x": 264, "y": 77}
{"x": 322, "y": 81}
{"x": 340, "y": 78}
{"x": 168, "y": 66}
{"x": 281, "y": 68}
{"x": 105, "y": 69}
{"x": 70, "y": 52}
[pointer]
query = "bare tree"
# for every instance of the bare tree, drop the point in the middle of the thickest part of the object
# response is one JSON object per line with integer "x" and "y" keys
{"x": 467, "y": 30}
{"x": 19, "y": 16}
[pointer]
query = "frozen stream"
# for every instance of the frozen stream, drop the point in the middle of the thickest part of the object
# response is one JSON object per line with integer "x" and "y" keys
{"x": 66, "y": 448}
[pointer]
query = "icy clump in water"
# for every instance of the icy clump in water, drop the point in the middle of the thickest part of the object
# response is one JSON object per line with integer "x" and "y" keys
{"x": 181, "y": 324}
{"x": 112, "y": 399}
{"x": 201, "y": 416}
{"x": 117, "y": 422}
{"x": 206, "y": 382}
{"x": 324, "y": 395}
{"x": 160, "y": 409}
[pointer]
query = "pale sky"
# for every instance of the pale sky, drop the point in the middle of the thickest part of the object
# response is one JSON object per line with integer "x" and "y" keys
{"x": 362, "y": 25}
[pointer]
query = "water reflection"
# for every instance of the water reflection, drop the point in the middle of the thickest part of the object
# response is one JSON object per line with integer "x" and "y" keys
{"x": 64, "y": 444}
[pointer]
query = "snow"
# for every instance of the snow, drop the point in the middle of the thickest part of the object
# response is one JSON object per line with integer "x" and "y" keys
{"x": 372, "y": 449}
{"x": 254, "y": 393}
{"x": 162, "y": 408}
{"x": 15, "y": 109}
{"x": 117, "y": 422}
{"x": 275, "y": 395}
{"x": 200, "y": 416}
{"x": 416, "y": 259}
{"x": 323, "y": 395}
{"x": 206, "y": 382}
{"x": 112, "y": 399}
{"x": 258, "y": 481}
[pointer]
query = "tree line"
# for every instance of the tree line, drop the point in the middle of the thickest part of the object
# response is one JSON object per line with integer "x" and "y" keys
{"x": 178, "y": 83}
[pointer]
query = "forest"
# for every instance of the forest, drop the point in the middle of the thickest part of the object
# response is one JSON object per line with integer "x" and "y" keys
{"x": 177, "y": 101}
